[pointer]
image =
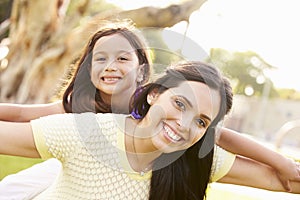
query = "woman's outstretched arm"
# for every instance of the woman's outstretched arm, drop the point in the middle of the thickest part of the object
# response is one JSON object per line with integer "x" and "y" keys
{"x": 26, "y": 112}
{"x": 17, "y": 139}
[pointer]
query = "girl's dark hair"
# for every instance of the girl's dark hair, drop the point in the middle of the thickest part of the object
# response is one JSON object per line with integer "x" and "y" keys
{"x": 189, "y": 172}
{"x": 81, "y": 95}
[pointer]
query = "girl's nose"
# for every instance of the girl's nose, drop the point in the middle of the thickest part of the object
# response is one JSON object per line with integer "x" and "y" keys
{"x": 111, "y": 66}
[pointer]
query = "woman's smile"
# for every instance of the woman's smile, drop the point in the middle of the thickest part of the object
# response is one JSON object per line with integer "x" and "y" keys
{"x": 170, "y": 134}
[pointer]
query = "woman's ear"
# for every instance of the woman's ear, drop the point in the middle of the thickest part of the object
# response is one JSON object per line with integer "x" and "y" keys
{"x": 152, "y": 97}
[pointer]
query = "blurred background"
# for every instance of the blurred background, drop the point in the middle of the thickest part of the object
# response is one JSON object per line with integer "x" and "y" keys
{"x": 254, "y": 43}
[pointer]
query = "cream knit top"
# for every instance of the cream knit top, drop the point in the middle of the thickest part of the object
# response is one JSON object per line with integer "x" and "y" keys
{"x": 94, "y": 163}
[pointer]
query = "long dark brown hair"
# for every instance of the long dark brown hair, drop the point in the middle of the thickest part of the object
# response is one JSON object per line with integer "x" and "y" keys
{"x": 185, "y": 174}
{"x": 81, "y": 95}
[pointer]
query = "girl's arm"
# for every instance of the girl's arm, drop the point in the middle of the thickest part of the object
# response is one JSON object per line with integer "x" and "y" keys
{"x": 17, "y": 139}
{"x": 248, "y": 172}
{"x": 286, "y": 169}
{"x": 25, "y": 113}
{"x": 28, "y": 183}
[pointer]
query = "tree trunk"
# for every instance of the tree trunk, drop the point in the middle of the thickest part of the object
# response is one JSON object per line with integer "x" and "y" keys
{"x": 44, "y": 42}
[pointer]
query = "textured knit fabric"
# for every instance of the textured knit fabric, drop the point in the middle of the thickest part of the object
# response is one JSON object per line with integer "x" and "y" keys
{"x": 94, "y": 163}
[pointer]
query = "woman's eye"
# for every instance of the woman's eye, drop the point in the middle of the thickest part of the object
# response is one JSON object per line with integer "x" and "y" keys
{"x": 180, "y": 104}
{"x": 201, "y": 123}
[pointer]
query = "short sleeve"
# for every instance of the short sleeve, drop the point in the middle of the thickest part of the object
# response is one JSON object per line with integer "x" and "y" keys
{"x": 59, "y": 135}
{"x": 222, "y": 163}
{"x": 39, "y": 139}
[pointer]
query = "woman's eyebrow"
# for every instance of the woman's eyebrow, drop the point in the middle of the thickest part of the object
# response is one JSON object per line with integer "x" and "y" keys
{"x": 186, "y": 99}
{"x": 206, "y": 117}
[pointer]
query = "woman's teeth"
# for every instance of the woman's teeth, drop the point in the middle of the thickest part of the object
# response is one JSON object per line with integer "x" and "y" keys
{"x": 171, "y": 133}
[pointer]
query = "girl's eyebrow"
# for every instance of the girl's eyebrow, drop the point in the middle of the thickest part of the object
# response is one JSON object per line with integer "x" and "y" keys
{"x": 120, "y": 51}
{"x": 191, "y": 105}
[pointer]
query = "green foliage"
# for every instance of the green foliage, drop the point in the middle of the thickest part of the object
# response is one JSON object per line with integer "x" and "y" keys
{"x": 289, "y": 94}
{"x": 161, "y": 54}
{"x": 245, "y": 69}
{"x": 5, "y": 9}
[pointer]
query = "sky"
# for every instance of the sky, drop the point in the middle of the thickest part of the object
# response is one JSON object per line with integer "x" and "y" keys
{"x": 267, "y": 27}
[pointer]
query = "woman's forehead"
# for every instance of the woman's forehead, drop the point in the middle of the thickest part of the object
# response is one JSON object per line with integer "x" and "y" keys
{"x": 190, "y": 88}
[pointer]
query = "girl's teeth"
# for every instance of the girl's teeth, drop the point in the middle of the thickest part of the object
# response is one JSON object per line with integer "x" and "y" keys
{"x": 171, "y": 134}
{"x": 111, "y": 79}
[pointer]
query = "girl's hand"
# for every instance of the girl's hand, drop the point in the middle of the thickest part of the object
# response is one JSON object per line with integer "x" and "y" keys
{"x": 289, "y": 170}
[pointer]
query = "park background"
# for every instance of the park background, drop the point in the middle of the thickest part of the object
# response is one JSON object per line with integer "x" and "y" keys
{"x": 255, "y": 43}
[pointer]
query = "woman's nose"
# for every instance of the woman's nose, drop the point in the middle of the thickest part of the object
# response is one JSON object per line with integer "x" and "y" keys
{"x": 183, "y": 125}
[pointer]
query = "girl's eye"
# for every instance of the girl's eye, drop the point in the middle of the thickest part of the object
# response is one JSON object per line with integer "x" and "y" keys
{"x": 180, "y": 104}
{"x": 201, "y": 123}
{"x": 100, "y": 59}
{"x": 122, "y": 58}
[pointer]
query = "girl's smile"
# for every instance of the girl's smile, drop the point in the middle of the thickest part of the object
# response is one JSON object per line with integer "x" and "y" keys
{"x": 110, "y": 79}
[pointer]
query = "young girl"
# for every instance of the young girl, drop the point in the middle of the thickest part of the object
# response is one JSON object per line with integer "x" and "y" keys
{"x": 94, "y": 93}
{"x": 130, "y": 67}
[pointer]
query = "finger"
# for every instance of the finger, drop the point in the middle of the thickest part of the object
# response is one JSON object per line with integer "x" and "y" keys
{"x": 297, "y": 178}
{"x": 298, "y": 165}
{"x": 298, "y": 168}
{"x": 286, "y": 185}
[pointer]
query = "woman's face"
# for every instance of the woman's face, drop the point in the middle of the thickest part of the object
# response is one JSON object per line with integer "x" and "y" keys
{"x": 181, "y": 115}
{"x": 115, "y": 67}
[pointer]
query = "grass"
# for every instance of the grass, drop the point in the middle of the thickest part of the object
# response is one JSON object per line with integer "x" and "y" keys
{"x": 13, "y": 164}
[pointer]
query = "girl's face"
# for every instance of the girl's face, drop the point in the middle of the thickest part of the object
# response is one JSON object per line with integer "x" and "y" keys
{"x": 181, "y": 115}
{"x": 115, "y": 66}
